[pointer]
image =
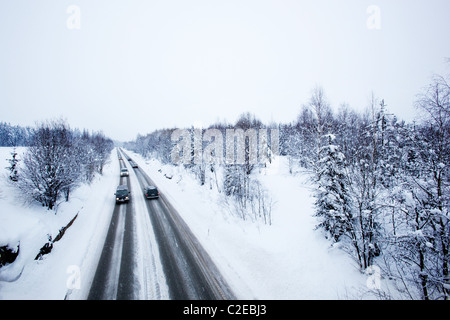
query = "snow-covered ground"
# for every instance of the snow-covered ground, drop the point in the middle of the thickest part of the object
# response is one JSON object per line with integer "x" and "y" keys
{"x": 71, "y": 263}
{"x": 287, "y": 260}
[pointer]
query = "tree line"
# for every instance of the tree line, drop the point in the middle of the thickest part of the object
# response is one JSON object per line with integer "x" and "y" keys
{"x": 57, "y": 160}
{"x": 243, "y": 194}
{"x": 12, "y": 136}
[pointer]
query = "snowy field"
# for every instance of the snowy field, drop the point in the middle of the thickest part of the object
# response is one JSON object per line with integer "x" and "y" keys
{"x": 287, "y": 260}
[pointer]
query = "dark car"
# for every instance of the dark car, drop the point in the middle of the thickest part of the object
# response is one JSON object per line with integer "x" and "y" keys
{"x": 122, "y": 194}
{"x": 151, "y": 192}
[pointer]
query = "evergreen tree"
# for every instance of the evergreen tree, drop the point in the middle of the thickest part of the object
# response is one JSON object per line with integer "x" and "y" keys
{"x": 13, "y": 175}
{"x": 332, "y": 200}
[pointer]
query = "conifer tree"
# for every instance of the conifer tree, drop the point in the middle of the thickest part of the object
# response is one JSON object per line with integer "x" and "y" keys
{"x": 332, "y": 201}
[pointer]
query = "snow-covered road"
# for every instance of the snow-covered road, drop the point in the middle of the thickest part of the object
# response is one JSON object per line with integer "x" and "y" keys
{"x": 150, "y": 253}
{"x": 189, "y": 271}
{"x": 129, "y": 267}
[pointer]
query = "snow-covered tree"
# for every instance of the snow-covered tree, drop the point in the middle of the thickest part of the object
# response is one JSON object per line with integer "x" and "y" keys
{"x": 332, "y": 200}
{"x": 45, "y": 170}
{"x": 365, "y": 175}
{"x": 58, "y": 160}
{"x": 13, "y": 173}
{"x": 421, "y": 240}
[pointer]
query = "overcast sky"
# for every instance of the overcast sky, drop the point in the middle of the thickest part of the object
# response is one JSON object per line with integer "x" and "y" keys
{"x": 129, "y": 67}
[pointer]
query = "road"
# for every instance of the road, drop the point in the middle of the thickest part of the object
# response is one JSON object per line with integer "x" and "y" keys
{"x": 169, "y": 263}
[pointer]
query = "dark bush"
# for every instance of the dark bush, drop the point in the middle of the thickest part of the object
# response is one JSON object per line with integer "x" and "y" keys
{"x": 8, "y": 255}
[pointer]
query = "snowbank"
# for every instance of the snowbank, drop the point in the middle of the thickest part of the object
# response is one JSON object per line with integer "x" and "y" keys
{"x": 73, "y": 259}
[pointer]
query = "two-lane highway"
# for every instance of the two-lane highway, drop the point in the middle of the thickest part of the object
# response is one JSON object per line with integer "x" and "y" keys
{"x": 189, "y": 272}
{"x": 114, "y": 275}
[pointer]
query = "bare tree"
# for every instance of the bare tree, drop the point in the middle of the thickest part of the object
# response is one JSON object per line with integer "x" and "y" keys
{"x": 323, "y": 116}
{"x": 435, "y": 156}
{"x": 46, "y": 171}
{"x": 58, "y": 160}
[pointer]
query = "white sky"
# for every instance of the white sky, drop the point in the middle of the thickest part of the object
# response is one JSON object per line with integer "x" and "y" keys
{"x": 137, "y": 66}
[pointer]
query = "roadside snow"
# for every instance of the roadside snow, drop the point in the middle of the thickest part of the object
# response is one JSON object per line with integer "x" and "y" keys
{"x": 69, "y": 268}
